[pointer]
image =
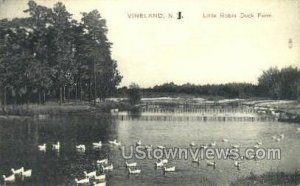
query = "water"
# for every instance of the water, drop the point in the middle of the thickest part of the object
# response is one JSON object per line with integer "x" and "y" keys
{"x": 19, "y": 139}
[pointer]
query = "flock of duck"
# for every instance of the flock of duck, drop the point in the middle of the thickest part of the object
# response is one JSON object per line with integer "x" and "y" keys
{"x": 100, "y": 180}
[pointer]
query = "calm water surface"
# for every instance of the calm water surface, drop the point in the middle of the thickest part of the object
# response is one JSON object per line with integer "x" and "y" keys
{"x": 19, "y": 139}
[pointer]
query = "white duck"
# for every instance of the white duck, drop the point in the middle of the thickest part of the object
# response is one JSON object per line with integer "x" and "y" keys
{"x": 115, "y": 142}
{"x": 103, "y": 161}
{"x": 161, "y": 147}
{"x": 138, "y": 143}
{"x": 11, "y": 178}
{"x": 237, "y": 164}
{"x": 298, "y": 129}
{"x": 136, "y": 171}
{"x": 148, "y": 147}
{"x": 169, "y": 169}
{"x": 281, "y": 136}
{"x": 100, "y": 177}
{"x": 235, "y": 146}
{"x": 210, "y": 163}
{"x": 256, "y": 146}
{"x": 27, "y": 173}
{"x": 213, "y": 144}
{"x": 161, "y": 162}
{"x": 203, "y": 146}
{"x": 131, "y": 164}
{"x": 80, "y": 148}
{"x": 42, "y": 147}
{"x": 107, "y": 168}
{"x": 82, "y": 181}
{"x": 192, "y": 144}
{"x": 56, "y": 146}
{"x": 224, "y": 140}
{"x": 97, "y": 144}
{"x": 90, "y": 174}
{"x": 99, "y": 184}
{"x": 259, "y": 143}
{"x": 196, "y": 161}
{"x": 278, "y": 139}
{"x": 18, "y": 171}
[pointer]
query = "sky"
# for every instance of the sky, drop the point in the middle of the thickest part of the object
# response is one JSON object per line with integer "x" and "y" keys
{"x": 195, "y": 49}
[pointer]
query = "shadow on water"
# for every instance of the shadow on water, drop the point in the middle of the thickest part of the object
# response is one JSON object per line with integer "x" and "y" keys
{"x": 135, "y": 113}
{"x": 20, "y": 138}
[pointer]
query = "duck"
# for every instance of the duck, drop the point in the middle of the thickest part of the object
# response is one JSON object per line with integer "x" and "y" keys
{"x": 100, "y": 177}
{"x": 148, "y": 147}
{"x": 224, "y": 140}
{"x": 213, "y": 144}
{"x": 192, "y": 144}
{"x": 97, "y": 144}
{"x": 42, "y": 147}
{"x": 281, "y": 136}
{"x": 298, "y": 129}
{"x": 164, "y": 161}
{"x": 131, "y": 164}
{"x": 136, "y": 171}
{"x": 161, "y": 147}
{"x": 10, "y": 179}
{"x": 107, "y": 168}
{"x": 103, "y": 161}
{"x": 80, "y": 148}
{"x": 196, "y": 161}
{"x": 210, "y": 163}
{"x": 169, "y": 169}
{"x": 203, "y": 146}
{"x": 82, "y": 181}
{"x": 27, "y": 173}
{"x": 56, "y": 146}
{"x": 90, "y": 174}
{"x": 18, "y": 171}
{"x": 138, "y": 143}
{"x": 115, "y": 142}
{"x": 159, "y": 164}
{"x": 235, "y": 146}
{"x": 99, "y": 184}
{"x": 277, "y": 139}
{"x": 256, "y": 146}
{"x": 112, "y": 142}
{"x": 237, "y": 164}
{"x": 274, "y": 137}
{"x": 259, "y": 143}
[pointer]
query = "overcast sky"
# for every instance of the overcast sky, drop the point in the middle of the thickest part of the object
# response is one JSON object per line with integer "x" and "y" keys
{"x": 194, "y": 49}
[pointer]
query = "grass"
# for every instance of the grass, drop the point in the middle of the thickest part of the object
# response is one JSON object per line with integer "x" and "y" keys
{"x": 270, "y": 178}
{"x": 48, "y": 108}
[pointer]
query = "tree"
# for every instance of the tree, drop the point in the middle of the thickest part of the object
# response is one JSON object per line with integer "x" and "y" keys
{"x": 134, "y": 94}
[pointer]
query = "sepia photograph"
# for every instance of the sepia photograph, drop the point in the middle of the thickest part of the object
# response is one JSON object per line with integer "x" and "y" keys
{"x": 149, "y": 92}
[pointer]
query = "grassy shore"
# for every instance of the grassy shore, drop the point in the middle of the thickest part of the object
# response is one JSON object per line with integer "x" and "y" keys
{"x": 48, "y": 108}
{"x": 270, "y": 178}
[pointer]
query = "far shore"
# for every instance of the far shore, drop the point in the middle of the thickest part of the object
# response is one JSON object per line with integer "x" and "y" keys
{"x": 290, "y": 109}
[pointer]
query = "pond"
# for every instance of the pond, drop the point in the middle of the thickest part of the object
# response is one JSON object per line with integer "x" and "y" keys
{"x": 19, "y": 140}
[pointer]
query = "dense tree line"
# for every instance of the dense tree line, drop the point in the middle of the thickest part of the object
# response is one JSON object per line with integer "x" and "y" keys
{"x": 273, "y": 83}
{"x": 280, "y": 83}
{"x": 230, "y": 90}
{"x": 50, "y": 55}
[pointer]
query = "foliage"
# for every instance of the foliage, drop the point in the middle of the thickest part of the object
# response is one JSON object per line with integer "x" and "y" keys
{"x": 280, "y": 84}
{"x": 134, "y": 95}
{"x": 49, "y": 53}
